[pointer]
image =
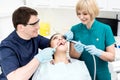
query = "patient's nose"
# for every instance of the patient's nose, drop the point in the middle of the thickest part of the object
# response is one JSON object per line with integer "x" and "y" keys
{"x": 60, "y": 38}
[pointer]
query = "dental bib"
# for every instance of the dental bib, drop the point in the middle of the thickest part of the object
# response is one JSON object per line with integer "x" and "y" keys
{"x": 75, "y": 70}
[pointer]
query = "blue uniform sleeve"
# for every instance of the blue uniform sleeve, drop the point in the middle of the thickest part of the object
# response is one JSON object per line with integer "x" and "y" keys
{"x": 43, "y": 42}
{"x": 8, "y": 60}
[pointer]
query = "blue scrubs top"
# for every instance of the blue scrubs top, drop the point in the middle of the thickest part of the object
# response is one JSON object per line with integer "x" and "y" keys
{"x": 16, "y": 52}
{"x": 99, "y": 35}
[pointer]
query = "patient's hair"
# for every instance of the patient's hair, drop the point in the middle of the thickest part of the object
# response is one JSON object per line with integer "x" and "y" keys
{"x": 53, "y": 36}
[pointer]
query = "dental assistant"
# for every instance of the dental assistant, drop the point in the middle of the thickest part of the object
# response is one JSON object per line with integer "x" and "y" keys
{"x": 97, "y": 37}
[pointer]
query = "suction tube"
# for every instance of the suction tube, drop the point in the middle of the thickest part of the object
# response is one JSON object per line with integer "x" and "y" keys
{"x": 69, "y": 36}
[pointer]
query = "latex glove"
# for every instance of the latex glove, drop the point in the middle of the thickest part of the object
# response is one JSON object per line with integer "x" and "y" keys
{"x": 68, "y": 35}
{"x": 45, "y": 54}
{"x": 79, "y": 47}
{"x": 93, "y": 50}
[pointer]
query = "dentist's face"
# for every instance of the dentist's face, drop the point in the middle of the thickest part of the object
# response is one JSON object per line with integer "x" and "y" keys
{"x": 30, "y": 30}
{"x": 84, "y": 16}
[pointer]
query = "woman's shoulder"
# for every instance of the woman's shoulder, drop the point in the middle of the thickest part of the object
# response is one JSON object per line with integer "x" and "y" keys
{"x": 101, "y": 24}
{"x": 76, "y": 26}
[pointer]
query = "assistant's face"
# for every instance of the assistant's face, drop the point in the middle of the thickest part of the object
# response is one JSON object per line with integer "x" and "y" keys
{"x": 84, "y": 16}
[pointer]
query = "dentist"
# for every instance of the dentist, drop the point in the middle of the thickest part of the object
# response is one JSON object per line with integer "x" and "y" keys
{"x": 19, "y": 57}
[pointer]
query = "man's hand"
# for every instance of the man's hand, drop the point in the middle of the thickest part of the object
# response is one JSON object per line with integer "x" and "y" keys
{"x": 45, "y": 55}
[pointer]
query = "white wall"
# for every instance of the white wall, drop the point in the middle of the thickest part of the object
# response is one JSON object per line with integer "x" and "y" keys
{"x": 6, "y": 26}
{"x": 8, "y": 6}
{"x": 62, "y": 19}
{"x": 6, "y": 9}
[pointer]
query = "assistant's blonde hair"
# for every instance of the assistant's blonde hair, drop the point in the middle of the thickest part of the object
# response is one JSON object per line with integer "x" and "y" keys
{"x": 88, "y": 5}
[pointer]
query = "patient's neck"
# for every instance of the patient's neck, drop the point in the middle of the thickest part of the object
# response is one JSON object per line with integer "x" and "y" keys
{"x": 61, "y": 57}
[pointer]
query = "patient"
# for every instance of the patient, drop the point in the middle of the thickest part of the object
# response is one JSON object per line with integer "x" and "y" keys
{"x": 61, "y": 67}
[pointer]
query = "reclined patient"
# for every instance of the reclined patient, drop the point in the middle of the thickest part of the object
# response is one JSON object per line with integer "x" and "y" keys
{"x": 61, "y": 67}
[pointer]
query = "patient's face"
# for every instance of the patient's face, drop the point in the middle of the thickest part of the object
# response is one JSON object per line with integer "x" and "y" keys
{"x": 59, "y": 42}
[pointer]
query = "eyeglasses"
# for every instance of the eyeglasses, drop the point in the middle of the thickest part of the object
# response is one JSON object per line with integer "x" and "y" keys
{"x": 35, "y": 23}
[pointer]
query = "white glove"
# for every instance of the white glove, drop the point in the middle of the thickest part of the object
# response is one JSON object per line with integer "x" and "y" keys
{"x": 93, "y": 50}
{"x": 79, "y": 47}
{"x": 45, "y": 54}
{"x": 68, "y": 35}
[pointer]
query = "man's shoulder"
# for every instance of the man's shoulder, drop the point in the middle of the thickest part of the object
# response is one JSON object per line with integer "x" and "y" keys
{"x": 9, "y": 41}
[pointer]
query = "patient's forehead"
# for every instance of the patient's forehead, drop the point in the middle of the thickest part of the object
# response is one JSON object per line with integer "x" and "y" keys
{"x": 58, "y": 36}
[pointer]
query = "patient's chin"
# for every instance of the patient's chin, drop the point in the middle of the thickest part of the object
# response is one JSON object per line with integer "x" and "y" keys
{"x": 62, "y": 48}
